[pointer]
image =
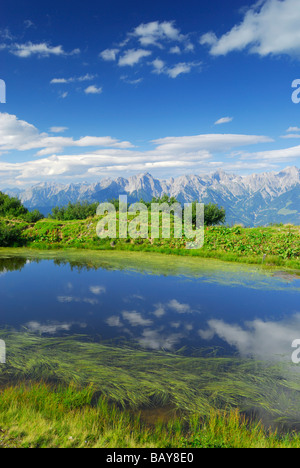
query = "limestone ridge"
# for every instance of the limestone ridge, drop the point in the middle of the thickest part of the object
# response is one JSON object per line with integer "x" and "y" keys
{"x": 256, "y": 199}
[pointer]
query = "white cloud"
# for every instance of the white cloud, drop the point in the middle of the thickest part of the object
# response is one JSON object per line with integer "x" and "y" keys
{"x": 155, "y": 32}
{"x": 189, "y": 47}
{"x": 293, "y": 129}
{"x": 129, "y": 81}
{"x": 58, "y": 129}
{"x": 41, "y": 50}
{"x": 79, "y": 79}
{"x": 143, "y": 39}
{"x": 60, "y": 81}
{"x": 109, "y": 156}
{"x": 6, "y": 35}
{"x": 280, "y": 155}
{"x": 175, "y": 50}
{"x": 290, "y": 135}
{"x": 224, "y": 120}
{"x": 93, "y": 90}
{"x": 19, "y": 135}
{"x": 109, "y": 54}
{"x": 210, "y": 142}
{"x": 28, "y": 24}
{"x": 179, "y": 69}
{"x": 269, "y": 27}
{"x": 133, "y": 56}
{"x": 174, "y": 71}
{"x": 159, "y": 66}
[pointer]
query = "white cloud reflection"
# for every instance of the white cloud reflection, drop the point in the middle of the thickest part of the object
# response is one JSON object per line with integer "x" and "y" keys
{"x": 51, "y": 327}
{"x": 268, "y": 340}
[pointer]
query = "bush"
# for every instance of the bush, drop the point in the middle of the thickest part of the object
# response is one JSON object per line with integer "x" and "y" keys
{"x": 9, "y": 235}
{"x": 79, "y": 210}
{"x": 33, "y": 216}
{"x": 213, "y": 215}
{"x": 11, "y": 207}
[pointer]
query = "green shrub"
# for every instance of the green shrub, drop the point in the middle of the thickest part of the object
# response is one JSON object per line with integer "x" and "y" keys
{"x": 33, "y": 216}
{"x": 11, "y": 207}
{"x": 9, "y": 235}
{"x": 79, "y": 210}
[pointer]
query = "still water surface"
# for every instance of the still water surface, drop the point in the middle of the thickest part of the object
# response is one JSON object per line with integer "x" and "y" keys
{"x": 153, "y": 302}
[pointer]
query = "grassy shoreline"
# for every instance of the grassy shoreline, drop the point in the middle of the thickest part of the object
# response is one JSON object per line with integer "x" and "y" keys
{"x": 41, "y": 416}
{"x": 275, "y": 246}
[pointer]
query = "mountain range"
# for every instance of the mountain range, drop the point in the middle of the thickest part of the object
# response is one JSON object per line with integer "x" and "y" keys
{"x": 252, "y": 200}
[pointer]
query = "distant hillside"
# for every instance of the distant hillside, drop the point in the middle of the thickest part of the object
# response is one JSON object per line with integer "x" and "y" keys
{"x": 257, "y": 199}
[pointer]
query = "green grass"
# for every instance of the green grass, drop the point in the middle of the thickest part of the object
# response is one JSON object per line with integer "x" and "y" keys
{"x": 274, "y": 245}
{"x": 42, "y": 416}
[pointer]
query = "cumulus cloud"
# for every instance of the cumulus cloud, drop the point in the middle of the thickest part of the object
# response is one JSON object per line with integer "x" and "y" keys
{"x": 270, "y": 27}
{"x": 155, "y": 33}
{"x": 109, "y": 156}
{"x": 180, "y": 68}
{"x": 133, "y": 56}
{"x": 144, "y": 41}
{"x": 293, "y": 129}
{"x": 175, "y": 50}
{"x": 110, "y": 55}
{"x": 159, "y": 67}
{"x": 41, "y": 49}
{"x": 19, "y": 135}
{"x": 93, "y": 90}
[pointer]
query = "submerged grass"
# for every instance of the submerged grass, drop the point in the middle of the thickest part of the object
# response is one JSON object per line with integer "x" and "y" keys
{"x": 137, "y": 379}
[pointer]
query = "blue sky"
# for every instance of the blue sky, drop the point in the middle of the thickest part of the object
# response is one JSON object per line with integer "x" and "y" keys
{"x": 112, "y": 88}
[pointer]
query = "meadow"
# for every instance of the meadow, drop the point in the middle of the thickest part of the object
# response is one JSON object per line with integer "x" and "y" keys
{"x": 272, "y": 245}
